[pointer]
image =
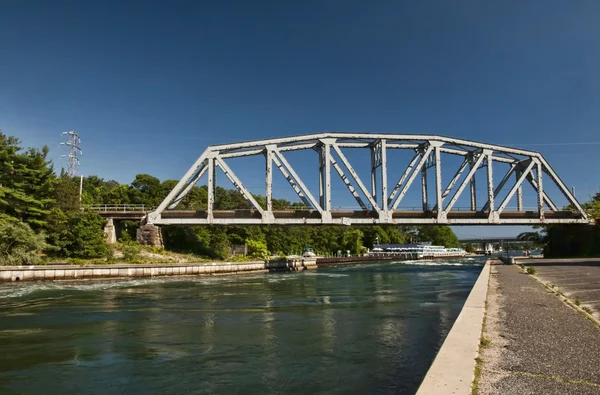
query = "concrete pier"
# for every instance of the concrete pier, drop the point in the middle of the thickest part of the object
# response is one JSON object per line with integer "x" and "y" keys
{"x": 72, "y": 272}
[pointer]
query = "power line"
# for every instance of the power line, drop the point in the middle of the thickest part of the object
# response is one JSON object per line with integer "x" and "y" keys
{"x": 73, "y": 143}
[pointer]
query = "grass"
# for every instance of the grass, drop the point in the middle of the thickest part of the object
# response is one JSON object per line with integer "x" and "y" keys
{"x": 475, "y": 386}
{"x": 483, "y": 343}
{"x": 531, "y": 270}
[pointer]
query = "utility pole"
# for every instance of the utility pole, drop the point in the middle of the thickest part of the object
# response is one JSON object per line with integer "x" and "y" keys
{"x": 73, "y": 143}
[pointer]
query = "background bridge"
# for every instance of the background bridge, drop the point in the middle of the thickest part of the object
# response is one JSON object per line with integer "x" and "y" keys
{"x": 447, "y": 169}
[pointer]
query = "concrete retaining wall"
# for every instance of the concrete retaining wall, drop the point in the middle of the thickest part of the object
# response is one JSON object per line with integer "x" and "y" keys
{"x": 68, "y": 272}
{"x": 452, "y": 371}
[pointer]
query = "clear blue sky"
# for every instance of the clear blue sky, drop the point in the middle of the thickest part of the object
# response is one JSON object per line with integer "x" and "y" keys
{"x": 149, "y": 85}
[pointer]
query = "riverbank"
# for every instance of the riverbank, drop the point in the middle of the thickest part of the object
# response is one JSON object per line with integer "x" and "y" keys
{"x": 72, "y": 272}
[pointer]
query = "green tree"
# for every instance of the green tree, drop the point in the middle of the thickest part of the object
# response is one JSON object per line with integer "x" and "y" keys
{"x": 439, "y": 235}
{"x": 352, "y": 240}
{"x": 26, "y": 180}
{"x": 146, "y": 189}
{"x": 257, "y": 249}
{"x": 19, "y": 244}
{"x": 81, "y": 235}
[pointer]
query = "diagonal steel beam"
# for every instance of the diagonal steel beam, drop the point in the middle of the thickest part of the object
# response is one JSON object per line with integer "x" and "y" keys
{"x": 298, "y": 181}
{"x": 181, "y": 184}
{"x": 404, "y": 175}
{"x": 292, "y": 182}
{"x": 561, "y": 185}
{"x": 412, "y": 177}
{"x": 356, "y": 178}
{"x": 452, "y": 182}
{"x": 238, "y": 184}
{"x": 545, "y": 197}
{"x": 193, "y": 181}
{"x": 348, "y": 183}
{"x": 516, "y": 186}
{"x": 501, "y": 185}
{"x": 467, "y": 179}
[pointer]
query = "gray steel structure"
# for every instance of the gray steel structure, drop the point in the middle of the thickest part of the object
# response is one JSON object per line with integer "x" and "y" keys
{"x": 523, "y": 166}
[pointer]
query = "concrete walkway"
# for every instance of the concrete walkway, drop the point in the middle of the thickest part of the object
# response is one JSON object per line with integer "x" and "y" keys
{"x": 533, "y": 342}
{"x": 577, "y": 279}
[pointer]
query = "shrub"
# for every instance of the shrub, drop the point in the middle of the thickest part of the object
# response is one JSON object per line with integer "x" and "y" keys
{"x": 19, "y": 244}
{"x": 131, "y": 251}
{"x": 82, "y": 236}
{"x": 531, "y": 270}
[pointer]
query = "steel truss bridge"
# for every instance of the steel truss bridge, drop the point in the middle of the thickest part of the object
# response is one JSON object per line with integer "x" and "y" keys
{"x": 378, "y": 199}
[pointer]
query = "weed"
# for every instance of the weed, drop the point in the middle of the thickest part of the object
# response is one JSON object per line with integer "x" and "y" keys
{"x": 522, "y": 266}
{"x": 484, "y": 342}
{"x": 131, "y": 251}
{"x": 531, "y": 270}
{"x": 577, "y": 302}
{"x": 587, "y": 310}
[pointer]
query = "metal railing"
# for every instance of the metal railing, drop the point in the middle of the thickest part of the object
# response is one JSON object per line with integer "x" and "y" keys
{"x": 118, "y": 207}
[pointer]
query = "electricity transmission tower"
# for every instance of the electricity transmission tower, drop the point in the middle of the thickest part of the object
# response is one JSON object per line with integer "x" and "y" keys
{"x": 74, "y": 151}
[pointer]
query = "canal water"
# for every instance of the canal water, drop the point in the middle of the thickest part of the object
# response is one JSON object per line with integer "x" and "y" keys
{"x": 362, "y": 329}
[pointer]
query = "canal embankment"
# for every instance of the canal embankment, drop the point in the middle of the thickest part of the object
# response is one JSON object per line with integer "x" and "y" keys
{"x": 452, "y": 369}
{"x": 89, "y": 271}
{"x": 73, "y": 272}
{"x": 535, "y": 339}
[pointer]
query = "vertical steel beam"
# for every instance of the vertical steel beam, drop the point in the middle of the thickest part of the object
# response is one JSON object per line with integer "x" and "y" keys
{"x": 439, "y": 199}
{"x": 539, "y": 173}
{"x": 472, "y": 186}
{"x": 211, "y": 187}
{"x": 269, "y": 179}
{"x": 490, "y": 182}
{"x": 326, "y": 176}
{"x": 518, "y": 174}
{"x": 383, "y": 164}
{"x": 424, "y": 187}
{"x": 374, "y": 172}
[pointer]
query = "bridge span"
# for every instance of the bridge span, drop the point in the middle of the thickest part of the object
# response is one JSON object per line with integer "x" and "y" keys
{"x": 379, "y": 197}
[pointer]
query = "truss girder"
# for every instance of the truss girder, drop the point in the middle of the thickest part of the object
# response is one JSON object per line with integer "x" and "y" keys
{"x": 373, "y": 198}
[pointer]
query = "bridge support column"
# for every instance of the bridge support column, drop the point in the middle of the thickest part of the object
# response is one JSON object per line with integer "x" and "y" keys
{"x": 150, "y": 235}
{"x": 110, "y": 231}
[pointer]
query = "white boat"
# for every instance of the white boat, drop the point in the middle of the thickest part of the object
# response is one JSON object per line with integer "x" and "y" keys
{"x": 421, "y": 251}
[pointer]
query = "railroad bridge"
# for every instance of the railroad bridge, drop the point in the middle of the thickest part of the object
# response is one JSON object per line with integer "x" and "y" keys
{"x": 447, "y": 169}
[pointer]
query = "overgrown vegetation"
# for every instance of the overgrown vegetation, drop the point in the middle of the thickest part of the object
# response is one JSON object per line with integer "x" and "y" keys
{"x": 41, "y": 214}
{"x": 562, "y": 241}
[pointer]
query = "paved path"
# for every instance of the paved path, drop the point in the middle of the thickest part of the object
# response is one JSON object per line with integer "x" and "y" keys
{"x": 578, "y": 279}
{"x": 537, "y": 344}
